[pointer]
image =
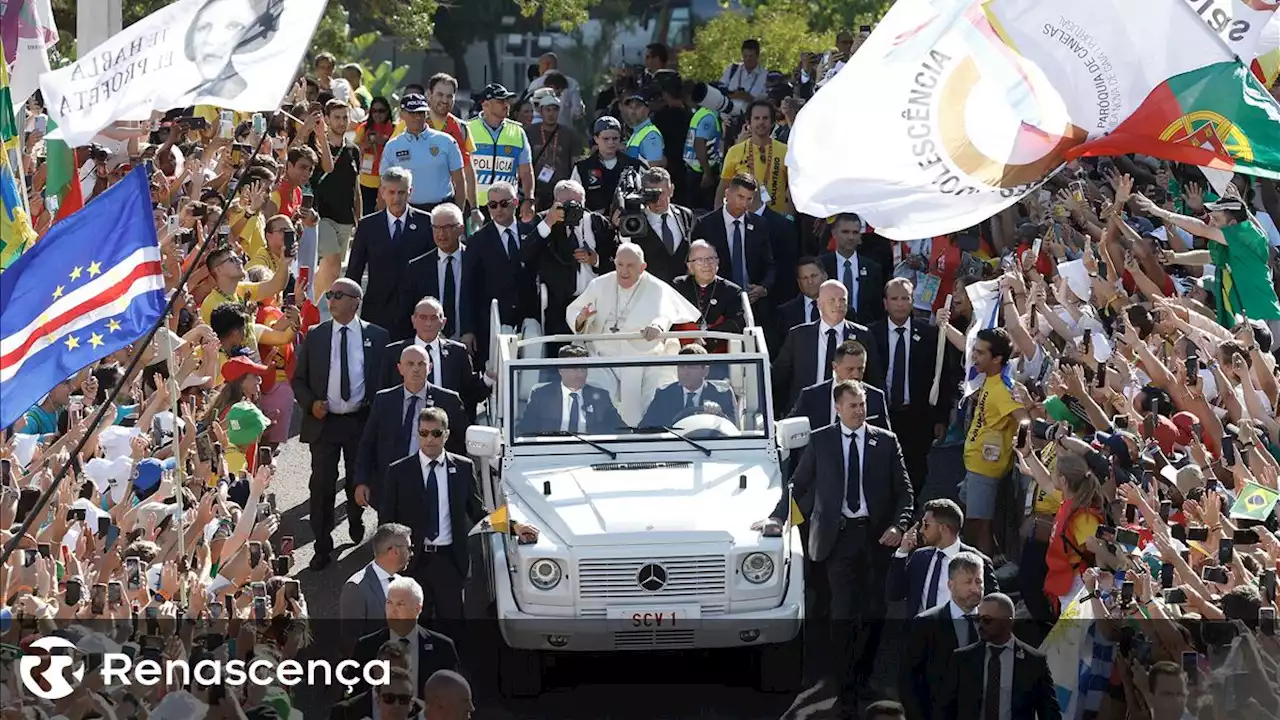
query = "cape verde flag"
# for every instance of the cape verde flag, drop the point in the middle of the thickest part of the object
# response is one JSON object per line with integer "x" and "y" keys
{"x": 90, "y": 287}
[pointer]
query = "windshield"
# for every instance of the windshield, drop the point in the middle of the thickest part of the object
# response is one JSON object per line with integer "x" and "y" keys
{"x": 694, "y": 396}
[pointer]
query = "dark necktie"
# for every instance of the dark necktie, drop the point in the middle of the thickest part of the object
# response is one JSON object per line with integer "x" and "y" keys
{"x": 853, "y": 476}
{"x": 344, "y": 367}
{"x": 408, "y": 427}
{"x": 991, "y": 701}
{"x": 847, "y": 278}
{"x": 668, "y": 237}
{"x": 433, "y": 502}
{"x": 739, "y": 256}
{"x": 972, "y": 629}
{"x": 396, "y": 232}
{"x": 575, "y": 409}
{"x": 513, "y": 250}
{"x": 450, "y": 297}
{"x": 813, "y": 310}
{"x": 689, "y": 398}
{"x": 831, "y": 354}
{"x": 898, "y": 383}
{"x": 431, "y": 367}
{"x": 931, "y": 594}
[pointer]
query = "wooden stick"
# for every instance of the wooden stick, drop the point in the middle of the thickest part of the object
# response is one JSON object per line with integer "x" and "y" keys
{"x": 937, "y": 362}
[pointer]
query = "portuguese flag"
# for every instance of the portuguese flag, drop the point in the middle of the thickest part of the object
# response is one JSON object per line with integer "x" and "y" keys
{"x": 1255, "y": 502}
{"x": 63, "y": 178}
{"x": 1218, "y": 116}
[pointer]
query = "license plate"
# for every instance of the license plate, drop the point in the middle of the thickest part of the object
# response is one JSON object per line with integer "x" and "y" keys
{"x": 644, "y": 618}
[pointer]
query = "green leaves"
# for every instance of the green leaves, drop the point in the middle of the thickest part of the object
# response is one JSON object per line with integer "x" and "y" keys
{"x": 781, "y": 25}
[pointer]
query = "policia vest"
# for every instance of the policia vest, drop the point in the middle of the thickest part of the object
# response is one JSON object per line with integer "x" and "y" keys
{"x": 495, "y": 160}
{"x": 600, "y": 182}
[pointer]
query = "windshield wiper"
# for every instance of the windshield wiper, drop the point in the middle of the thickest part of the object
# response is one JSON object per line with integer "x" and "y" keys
{"x": 673, "y": 431}
{"x": 566, "y": 433}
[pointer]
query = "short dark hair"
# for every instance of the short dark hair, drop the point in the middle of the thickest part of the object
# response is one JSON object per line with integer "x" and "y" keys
{"x": 439, "y": 78}
{"x": 773, "y": 109}
{"x": 215, "y": 257}
{"x": 847, "y": 387}
{"x": 1242, "y": 603}
{"x": 435, "y": 415}
{"x": 885, "y": 710}
{"x": 410, "y": 88}
{"x": 326, "y": 56}
{"x": 746, "y": 181}
{"x": 659, "y": 51}
{"x": 998, "y": 342}
{"x": 946, "y": 512}
{"x": 573, "y": 351}
{"x": 555, "y": 79}
{"x": 693, "y": 349}
{"x": 1163, "y": 668}
{"x": 810, "y": 260}
{"x": 849, "y": 347}
{"x": 847, "y": 217}
{"x": 226, "y": 319}
{"x": 751, "y": 44}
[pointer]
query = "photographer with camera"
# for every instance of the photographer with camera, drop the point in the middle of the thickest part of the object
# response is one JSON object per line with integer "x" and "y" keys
{"x": 599, "y": 173}
{"x": 573, "y": 246}
{"x": 647, "y": 217}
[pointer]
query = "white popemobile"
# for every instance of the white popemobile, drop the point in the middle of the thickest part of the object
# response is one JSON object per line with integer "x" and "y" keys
{"x": 645, "y": 532}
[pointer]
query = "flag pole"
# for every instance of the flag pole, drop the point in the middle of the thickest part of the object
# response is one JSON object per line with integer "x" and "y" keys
{"x": 206, "y": 244}
{"x": 179, "y": 465}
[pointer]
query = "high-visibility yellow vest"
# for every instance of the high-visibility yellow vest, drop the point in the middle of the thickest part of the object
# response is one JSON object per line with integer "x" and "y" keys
{"x": 637, "y": 137}
{"x": 713, "y": 149}
{"x": 495, "y": 160}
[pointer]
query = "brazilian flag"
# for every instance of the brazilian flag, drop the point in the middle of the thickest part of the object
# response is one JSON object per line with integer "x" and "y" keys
{"x": 1255, "y": 502}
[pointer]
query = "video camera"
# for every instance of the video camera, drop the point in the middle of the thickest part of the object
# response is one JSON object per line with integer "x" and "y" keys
{"x": 632, "y": 197}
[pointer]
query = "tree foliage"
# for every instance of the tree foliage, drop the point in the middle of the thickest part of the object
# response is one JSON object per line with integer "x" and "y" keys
{"x": 781, "y": 25}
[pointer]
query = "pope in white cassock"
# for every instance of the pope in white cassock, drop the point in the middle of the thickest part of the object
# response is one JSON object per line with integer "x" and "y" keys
{"x": 630, "y": 300}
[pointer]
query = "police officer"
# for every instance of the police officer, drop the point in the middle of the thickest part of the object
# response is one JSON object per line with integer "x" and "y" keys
{"x": 646, "y": 140}
{"x": 600, "y": 171}
{"x": 432, "y": 156}
{"x": 703, "y": 150}
{"x": 502, "y": 149}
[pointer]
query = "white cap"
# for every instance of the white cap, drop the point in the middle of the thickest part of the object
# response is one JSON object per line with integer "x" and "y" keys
{"x": 114, "y": 440}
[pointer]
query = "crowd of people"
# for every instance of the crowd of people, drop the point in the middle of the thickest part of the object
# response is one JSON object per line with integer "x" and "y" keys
{"x": 1103, "y": 446}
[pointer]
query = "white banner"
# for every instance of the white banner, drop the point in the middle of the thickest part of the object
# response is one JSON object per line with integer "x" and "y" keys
{"x": 1238, "y": 22}
{"x": 28, "y": 33}
{"x": 954, "y": 109}
{"x": 235, "y": 54}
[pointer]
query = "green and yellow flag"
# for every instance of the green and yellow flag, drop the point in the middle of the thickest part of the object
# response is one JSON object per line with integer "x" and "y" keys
{"x": 8, "y": 120}
{"x": 16, "y": 233}
{"x": 1255, "y": 502}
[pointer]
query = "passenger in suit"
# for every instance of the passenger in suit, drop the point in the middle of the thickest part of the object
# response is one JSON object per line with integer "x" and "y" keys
{"x": 817, "y": 403}
{"x": 390, "y": 432}
{"x": 860, "y": 275}
{"x": 428, "y": 651}
{"x": 800, "y": 309}
{"x": 502, "y": 251}
{"x": 689, "y": 395}
{"x": 916, "y": 571}
{"x": 568, "y": 257}
{"x": 852, "y": 488}
{"x": 808, "y": 354}
{"x": 333, "y": 382}
{"x": 446, "y": 272}
{"x": 385, "y": 242}
{"x": 740, "y": 239}
{"x": 909, "y": 349}
{"x": 719, "y": 301}
{"x": 665, "y": 239}
{"x": 362, "y": 604}
{"x": 937, "y": 632}
{"x": 998, "y": 670}
{"x": 436, "y": 494}
{"x": 450, "y": 363}
{"x": 570, "y": 405}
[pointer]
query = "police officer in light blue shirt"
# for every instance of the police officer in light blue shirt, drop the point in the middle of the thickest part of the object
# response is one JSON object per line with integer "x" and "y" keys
{"x": 431, "y": 155}
{"x": 646, "y": 141}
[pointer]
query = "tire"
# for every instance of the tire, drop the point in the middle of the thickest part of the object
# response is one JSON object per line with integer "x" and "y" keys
{"x": 519, "y": 673}
{"x": 779, "y": 667}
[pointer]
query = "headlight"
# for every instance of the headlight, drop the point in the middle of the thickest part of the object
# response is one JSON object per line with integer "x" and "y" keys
{"x": 546, "y": 574}
{"x": 757, "y": 568}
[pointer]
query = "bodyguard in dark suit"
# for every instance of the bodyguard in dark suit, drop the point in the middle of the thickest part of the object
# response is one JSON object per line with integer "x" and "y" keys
{"x": 336, "y": 370}
{"x": 999, "y": 670}
{"x": 785, "y": 240}
{"x": 450, "y": 362}
{"x": 428, "y": 650}
{"x": 385, "y": 698}
{"x": 803, "y": 308}
{"x": 936, "y": 633}
{"x": 570, "y": 405}
{"x": 860, "y": 275}
{"x": 569, "y": 258}
{"x": 391, "y": 431}
{"x": 362, "y": 604}
{"x": 689, "y": 394}
{"x": 817, "y": 402}
{"x": 666, "y": 235}
{"x": 740, "y": 239}
{"x": 917, "y": 572}
{"x": 719, "y": 301}
{"x": 909, "y": 349}
{"x": 384, "y": 243}
{"x": 445, "y": 272}
{"x": 852, "y": 488}
{"x": 502, "y": 250}
{"x": 437, "y": 495}
{"x": 809, "y": 350}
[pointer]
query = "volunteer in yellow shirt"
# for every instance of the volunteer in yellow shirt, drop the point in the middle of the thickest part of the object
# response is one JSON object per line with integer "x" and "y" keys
{"x": 761, "y": 156}
{"x": 227, "y": 270}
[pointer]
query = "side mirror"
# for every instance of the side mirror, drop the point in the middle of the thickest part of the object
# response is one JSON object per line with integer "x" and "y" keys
{"x": 793, "y": 433}
{"x": 485, "y": 441}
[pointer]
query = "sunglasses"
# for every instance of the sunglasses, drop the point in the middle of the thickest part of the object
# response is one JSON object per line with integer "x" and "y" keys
{"x": 495, "y": 204}
{"x": 338, "y": 295}
{"x": 431, "y": 433}
{"x": 397, "y": 698}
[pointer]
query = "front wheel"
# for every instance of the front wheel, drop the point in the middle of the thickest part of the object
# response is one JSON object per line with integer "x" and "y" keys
{"x": 519, "y": 672}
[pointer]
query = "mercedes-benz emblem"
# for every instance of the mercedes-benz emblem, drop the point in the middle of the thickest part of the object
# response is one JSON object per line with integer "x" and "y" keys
{"x": 652, "y": 577}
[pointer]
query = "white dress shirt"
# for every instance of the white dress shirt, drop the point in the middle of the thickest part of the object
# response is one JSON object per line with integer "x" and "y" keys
{"x": 442, "y": 262}
{"x": 853, "y": 269}
{"x": 414, "y": 440}
{"x": 384, "y": 577}
{"x": 959, "y": 618}
{"x": 944, "y": 594}
{"x": 391, "y": 223}
{"x": 697, "y": 395}
{"x": 1006, "y": 679}
{"x": 567, "y": 402}
{"x": 355, "y": 368}
{"x": 823, "y": 327}
{"x": 752, "y": 81}
{"x": 655, "y": 222}
{"x": 436, "y": 376}
{"x": 860, "y": 436}
{"x": 808, "y": 304}
{"x": 502, "y": 236}
{"x": 442, "y": 481}
{"x": 906, "y": 358}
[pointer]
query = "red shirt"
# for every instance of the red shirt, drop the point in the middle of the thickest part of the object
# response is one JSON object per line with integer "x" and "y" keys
{"x": 288, "y": 198}
{"x": 1166, "y": 287}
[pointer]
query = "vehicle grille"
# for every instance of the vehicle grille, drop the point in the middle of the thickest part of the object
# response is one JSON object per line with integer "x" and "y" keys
{"x": 652, "y": 639}
{"x": 651, "y": 465}
{"x": 687, "y": 577}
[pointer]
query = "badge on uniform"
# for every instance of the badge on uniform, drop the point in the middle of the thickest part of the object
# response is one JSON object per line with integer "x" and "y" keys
{"x": 402, "y": 154}
{"x": 435, "y": 150}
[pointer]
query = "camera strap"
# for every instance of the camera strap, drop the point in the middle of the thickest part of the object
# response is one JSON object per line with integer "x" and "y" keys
{"x": 546, "y": 144}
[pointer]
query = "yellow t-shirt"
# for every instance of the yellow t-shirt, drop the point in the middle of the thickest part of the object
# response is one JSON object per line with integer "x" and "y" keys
{"x": 1047, "y": 503}
{"x": 769, "y": 168}
{"x": 265, "y": 259}
{"x": 988, "y": 445}
{"x": 253, "y": 236}
{"x": 246, "y": 292}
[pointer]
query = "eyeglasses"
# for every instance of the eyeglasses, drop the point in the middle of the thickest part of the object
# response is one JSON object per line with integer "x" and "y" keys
{"x": 397, "y": 698}
{"x": 495, "y": 204}
{"x": 431, "y": 433}
{"x": 338, "y": 295}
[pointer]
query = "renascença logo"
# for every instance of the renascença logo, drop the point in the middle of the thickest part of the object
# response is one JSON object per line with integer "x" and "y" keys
{"x": 54, "y": 675}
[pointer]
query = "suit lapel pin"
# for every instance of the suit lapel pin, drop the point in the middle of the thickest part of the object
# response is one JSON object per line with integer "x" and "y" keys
{"x": 444, "y": 351}
{"x": 431, "y": 401}
{"x": 871, "y": 442}
{"x": 453, "y": 469}
{"x": 1019, "y": 654}
{"x": 413, "y": 226}
{"x": 429, "y": 647}
{"x": 750, "y": 227}
{"x": 862, "y": 272}
{"x": 368, "y": 343}
{"x": 591, "y": 408}
{"x": 714, "y": 301}
{"x": 915, "y": 338}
